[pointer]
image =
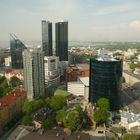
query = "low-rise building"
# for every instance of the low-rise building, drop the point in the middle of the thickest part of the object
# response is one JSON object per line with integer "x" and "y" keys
{"x": 80, "y": 87}
{"x": 11, "y": 105}
{"x": 52, "y": 76}
{"x": 17, "y": 73}
{"x": 130, "y": 120}
{"x": 73, "y": 72}
{"x": 8, "y": 61}
{"x": 131, "y": 78}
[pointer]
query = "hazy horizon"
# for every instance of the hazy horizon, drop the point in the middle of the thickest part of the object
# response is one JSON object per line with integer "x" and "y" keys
{"x": 90, "y": 20}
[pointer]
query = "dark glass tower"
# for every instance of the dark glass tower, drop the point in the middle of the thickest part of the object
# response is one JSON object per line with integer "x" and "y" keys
{"x": 16, "y": 48}
{"x": 105, "y": 80}
{"x": 47, "y": 38}
{"x": 61, "y": 37}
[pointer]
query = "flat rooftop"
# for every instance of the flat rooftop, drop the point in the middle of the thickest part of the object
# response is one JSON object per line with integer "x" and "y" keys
{"x": 131, "y": 116}
{"x": 79, "y": 67}
{"x": 102, "y": 57}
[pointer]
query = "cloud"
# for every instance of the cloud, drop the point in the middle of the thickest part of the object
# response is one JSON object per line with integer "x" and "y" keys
{"x": 135, "y": 24}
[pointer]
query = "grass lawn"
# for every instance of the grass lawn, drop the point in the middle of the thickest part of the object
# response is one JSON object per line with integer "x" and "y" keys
{"x": 61, "y": 92}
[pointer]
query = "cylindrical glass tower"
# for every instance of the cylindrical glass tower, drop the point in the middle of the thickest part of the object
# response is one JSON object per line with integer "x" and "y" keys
{"x": 105, "y": 80}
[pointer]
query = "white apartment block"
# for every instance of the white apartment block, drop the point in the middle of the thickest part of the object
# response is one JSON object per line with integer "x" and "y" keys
{"x": 33, "y": 65}
{"x": 52, "y": 76}
{"x": 8, "y": 61}
{"x": 80, "y": 87}
{"x": 130, "y": 120}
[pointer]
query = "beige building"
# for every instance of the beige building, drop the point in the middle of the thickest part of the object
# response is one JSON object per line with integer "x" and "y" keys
{"x": 80, "y": 87}
{"x": 131, "y": 78}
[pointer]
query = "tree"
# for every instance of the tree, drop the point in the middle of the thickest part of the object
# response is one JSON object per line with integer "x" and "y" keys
{"x": 42, "y": 95}
{"x": 112, "y": 138}
{"x": 130, "y": 137}
{"x": 48, "y": 101}
{"x": 2, "y": 79}
{"x": 46, "y": 124}
{"x": 14, "y": 81}
{"x": 31, "y": 106}
{"x": 57, "y": 102}
{"x": 1, "y": 91}
{"x": 79, "y": 109}
{"x": 72, "y": 121}
{"x": 103, "y": 103}
{"x": 101, "y": 116}
{"x": 61, "y": 115}
{"x": 37, "y": 104}
{"x": 26, "y": 120}
{"x": 28, "y": 107}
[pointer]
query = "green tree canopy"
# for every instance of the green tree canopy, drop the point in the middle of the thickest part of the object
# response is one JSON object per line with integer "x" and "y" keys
{"x": 26, "y": 120}
{"x": 101, "y": 116}
{"x": 28, "y": 107}
{"x": 14, "y": 81}
{"x": 4, "y": 87}
{"x": 2, "y": 79}
{"x": 31, "y": 106}
{"x": 42, "y": 95}
{"x": 103, "y": 103}
{"x": 57, "y": 102}
{"x": 46, "y": 124}
{"x": 61, "y": 115}
{"x": 130, "y": 137}
{"x": 72, "y": 121}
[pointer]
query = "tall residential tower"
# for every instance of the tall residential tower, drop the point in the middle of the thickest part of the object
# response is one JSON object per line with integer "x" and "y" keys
{"x": 61, "y": 38}
{"x": 47, "y": 38}
{"x": 33, "y": 61}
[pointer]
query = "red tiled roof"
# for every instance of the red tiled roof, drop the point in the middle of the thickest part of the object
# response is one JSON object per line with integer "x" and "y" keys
{"x": 11, "y": 97}
{"x": 14, "y": 72}
{"x": 138, "y": 101}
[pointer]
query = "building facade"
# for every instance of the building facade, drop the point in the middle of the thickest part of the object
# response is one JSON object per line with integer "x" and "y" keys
{"x": 11, "y": 105}
{"x": 105, "y": 80}
{"x": 61, "y": 38}
{"x": 16, "y": 48}
{"x": 52, "y": 77}
{"x": 10, "y": 73}
{"x": 79, "y": 87}
{"x": 73, "y": 72}
{"x": 33, "y": 61}
{"x": 47, "y": 38}
{"x": 7, "y": 61}
{"x": 130, "y": 121}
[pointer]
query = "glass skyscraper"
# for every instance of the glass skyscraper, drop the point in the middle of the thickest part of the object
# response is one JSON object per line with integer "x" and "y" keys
{"x": 47, "y": 38}
{"x": 61, "y": 38}
{"x": 16, "y": 49}
{"x": 105, "y": 80}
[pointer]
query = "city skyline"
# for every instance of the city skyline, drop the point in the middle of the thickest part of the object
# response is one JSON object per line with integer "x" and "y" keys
{"x": 91, "y": 20}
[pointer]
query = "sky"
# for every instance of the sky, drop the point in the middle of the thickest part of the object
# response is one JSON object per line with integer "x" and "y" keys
{"x": 89, "y": 20}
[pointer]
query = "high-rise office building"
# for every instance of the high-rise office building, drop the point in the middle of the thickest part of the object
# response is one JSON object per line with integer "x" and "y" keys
{"x": 52, "y": 76}
{"x": 16, "y": 48}
{"x": 33, "y": 61}
{"x": 105, "y": 80}
{"x": 61, "y": 38}
{"x": 47, "y": 38}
